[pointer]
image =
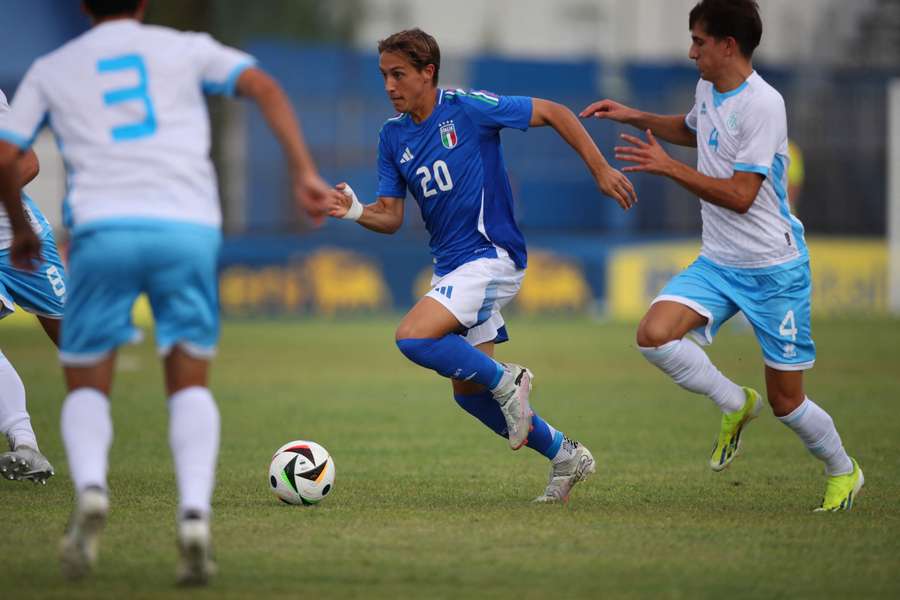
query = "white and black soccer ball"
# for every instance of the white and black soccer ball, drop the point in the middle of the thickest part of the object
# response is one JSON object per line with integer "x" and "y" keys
{"x": 301, "y": 472}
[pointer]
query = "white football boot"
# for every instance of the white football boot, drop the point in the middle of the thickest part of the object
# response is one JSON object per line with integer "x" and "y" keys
{"x": 78, "y": 548}
{"x": 25, "y": 463}
{"x": 512, "y": 395}
{"x": 195, "y": 562}
{"x": 564, "y": 475}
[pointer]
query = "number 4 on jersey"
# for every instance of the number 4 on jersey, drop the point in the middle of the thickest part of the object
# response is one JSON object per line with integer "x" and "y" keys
{"x": 788, "y": 327}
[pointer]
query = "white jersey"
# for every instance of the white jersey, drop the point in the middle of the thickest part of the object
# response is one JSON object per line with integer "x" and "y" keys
{"x": 746, "y": 130}
{"x": 34, "y": 216}
{"x": 126, "y": 104}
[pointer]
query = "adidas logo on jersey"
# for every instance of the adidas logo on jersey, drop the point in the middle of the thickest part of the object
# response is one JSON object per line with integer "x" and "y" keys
{"x": 407, "y": 156}
{"x": 445, "y": 290}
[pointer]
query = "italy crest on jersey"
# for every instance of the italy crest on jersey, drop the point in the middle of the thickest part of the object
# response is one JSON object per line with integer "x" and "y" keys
{"x": 448, "y": 135}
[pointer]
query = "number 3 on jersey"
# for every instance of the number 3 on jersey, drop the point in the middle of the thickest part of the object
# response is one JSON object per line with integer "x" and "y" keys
{"x": 143, "y": 128}
{"x": 441, "y": 178}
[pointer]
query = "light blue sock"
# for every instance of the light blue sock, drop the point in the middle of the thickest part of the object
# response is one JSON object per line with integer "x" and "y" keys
{"x": 453, "y": 357}
{"x": 543, "y": 438}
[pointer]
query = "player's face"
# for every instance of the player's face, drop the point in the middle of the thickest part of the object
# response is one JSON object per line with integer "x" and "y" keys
{"x": 405, "y": 86}
{"x": 709, "y": 53}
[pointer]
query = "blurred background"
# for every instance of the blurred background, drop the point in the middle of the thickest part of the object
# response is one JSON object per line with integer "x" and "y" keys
{"x": 833, "y": 61}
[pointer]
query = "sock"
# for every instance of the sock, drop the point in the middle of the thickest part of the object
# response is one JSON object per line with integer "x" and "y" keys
{"x": 815, "y": 427}
{"x": 690, "y": 367}
{"x": 543, "y": 439}
{"x": 14, "y": 419}
{"x": 87, "y": 435}
{"x": 453, "y": 357}
{"x": 194, "y": 439}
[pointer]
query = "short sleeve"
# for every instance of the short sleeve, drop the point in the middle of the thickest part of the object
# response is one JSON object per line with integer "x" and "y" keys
{"x": 761, "y": 132}
{"x": 690, "y": 119}
{"x": 21, "y": 122}
{"x": 390, "y": 181}
{"x": 496, "y": 112}
{"x": 220, "y": 65}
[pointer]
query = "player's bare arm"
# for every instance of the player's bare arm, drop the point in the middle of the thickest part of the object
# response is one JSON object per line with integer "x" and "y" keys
{"x": 385, "y": 215}
{"x": 29, "y": 167}
{"x": 736, "y": 193}
{"x": 610, "y": 181}
{"x": 671, "y": 128}
{"x": 25, "y": 250}
{"x": 310, "y": 191}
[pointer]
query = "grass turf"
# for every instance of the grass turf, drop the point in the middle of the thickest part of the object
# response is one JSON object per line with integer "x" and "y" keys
{"x": 429, "y": 503}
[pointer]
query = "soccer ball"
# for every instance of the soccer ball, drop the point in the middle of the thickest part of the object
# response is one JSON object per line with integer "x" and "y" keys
{"x": 301, "y": 472}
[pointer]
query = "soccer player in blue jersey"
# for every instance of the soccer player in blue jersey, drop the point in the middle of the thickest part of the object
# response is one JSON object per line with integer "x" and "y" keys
{"x": 753, "y": 257}
{"x": 126, "y": 103}
{"x": 444, "y": 147}
{"x": 43, "y": 293}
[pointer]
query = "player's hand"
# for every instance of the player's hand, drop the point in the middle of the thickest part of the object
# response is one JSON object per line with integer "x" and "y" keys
{"x": 339, "y": 201}
{"x": 25, "y": 250}
{"x": 610, "y": 109}
{"x": 615, "y": 185}
{"x": 648, "y": 157}
{"x": 312, "y": 196}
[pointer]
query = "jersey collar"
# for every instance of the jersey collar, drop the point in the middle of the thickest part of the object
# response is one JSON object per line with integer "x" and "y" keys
{"x": 720, "y": 97}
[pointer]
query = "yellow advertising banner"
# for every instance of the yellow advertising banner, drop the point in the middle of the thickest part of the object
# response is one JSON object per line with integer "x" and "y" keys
{"x": 849, "y": 275}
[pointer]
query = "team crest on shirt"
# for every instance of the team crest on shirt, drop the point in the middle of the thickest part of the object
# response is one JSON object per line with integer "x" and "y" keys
{"x": 731, "y": 124}
{"x": 703, "y": 108}
{"x": 448, "y": 135}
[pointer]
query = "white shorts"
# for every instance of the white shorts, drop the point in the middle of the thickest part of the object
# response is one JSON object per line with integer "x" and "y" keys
{"x": 475, "y": 292}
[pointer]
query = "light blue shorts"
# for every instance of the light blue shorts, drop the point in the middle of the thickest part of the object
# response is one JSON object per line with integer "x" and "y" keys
{"x": 110, "y": 266}
{"x": 42, "y": 291}
{"x": 776, "y": 304}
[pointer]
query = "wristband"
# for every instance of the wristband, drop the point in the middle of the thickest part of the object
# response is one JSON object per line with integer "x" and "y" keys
{"x": 356, "y": 208}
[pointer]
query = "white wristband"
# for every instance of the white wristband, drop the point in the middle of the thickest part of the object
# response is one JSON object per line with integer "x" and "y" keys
{"x": 356, "y": 208}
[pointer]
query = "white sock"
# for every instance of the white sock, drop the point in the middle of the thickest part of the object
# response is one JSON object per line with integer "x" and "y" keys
{"x": 87, "y": 433}
{"x": 690, "y": 367}
{"x": 194, "y": 439}
{"x": 566, "y": 450}
{"x": 14, "y": 419}
{"x": 815, "y": 427}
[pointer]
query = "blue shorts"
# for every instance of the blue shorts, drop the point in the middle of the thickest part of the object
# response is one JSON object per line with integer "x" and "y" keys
{"x": 42, "y": 291}
{"x": 776, "y": 303}
{"x": 173, "y": 263}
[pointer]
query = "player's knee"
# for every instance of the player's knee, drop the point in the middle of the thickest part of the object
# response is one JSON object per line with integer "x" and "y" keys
{"x": 653, "y": 334}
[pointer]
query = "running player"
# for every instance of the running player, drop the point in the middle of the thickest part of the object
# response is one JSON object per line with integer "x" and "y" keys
{"x": 126, "y": 104}
{"x": 753, "y": 257}
{"x": 444, "y": 147}
{"x": 43, "y": 293}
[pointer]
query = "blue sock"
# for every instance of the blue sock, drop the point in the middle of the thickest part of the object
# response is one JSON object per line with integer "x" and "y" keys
{"x": 453, "y": 357}
{"x": 543, "y": 438}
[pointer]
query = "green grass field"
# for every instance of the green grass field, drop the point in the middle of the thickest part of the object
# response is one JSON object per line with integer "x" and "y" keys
{"x": 429, "y": 504}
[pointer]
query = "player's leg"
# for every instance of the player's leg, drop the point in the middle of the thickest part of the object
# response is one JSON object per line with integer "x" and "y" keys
{"x": 105, "y": 271}
{"x": 430, "y": 336}
{"x": 695, "y": 302}
{"x": 571, "y": 462}
{"x": 87, "y": 435}
{"x": 817, "y": 431}
{"x": 42, "y": 292}
{"x": 51, "y": 327}
{"x": 194, "y": 426}
{"x": 783, "y": 327}
{"x": 182, "y": 289}
{"x": 24, "y": 460}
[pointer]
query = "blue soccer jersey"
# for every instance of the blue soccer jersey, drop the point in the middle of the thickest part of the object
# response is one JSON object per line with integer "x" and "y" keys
{"x": 453, "y": 166}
